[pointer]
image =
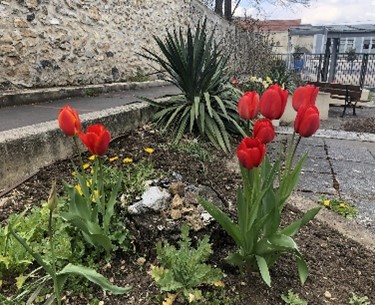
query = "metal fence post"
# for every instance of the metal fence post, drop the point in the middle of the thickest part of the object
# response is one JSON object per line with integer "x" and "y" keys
{"x": 363, "y": 70}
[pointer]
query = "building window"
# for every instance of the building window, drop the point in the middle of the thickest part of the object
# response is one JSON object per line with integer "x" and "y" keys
{"x": 366, "y": 44}
{"x": 350, "y": 44}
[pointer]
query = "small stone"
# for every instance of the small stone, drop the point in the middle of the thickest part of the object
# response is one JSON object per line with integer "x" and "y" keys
{"x": 54, "y": 21}
{"x": 176, "y": 214}
{"x": 20, "y": 23}
{"x": 328, "y": 295}
{"x": 141, "y": 261}
{"x": 176, "y": 202}
{"x": 177, "y": 188}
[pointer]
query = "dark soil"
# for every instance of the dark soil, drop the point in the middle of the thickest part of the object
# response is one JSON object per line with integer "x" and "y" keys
{"x": 338, "y": 266}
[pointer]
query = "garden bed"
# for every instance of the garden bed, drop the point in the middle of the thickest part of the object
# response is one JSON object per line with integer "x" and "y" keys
{"x": 338, "y": 265}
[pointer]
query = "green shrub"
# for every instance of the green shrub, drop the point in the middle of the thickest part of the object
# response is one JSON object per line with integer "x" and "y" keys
{"x": 208, "y": 104}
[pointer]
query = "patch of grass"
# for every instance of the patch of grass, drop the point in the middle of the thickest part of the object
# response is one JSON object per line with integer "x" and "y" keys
{"x": 340, "y": 207}
{"x": 139, "y": 76}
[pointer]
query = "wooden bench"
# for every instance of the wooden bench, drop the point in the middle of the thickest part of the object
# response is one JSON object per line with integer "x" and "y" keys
{"x": 350, "y": 94}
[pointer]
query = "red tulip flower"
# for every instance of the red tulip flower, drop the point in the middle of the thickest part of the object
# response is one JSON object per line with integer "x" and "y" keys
{"x": 248, "y": 105}
{"x": 264, "y": 131}
{"x": 251, "y": 152}
{"x": 96, "y": 139}
{"x": 307, "y": 120}
{"x": 304, "y": 96}
{"x": 273, "y": 102}
{"x": 69, "y": 121}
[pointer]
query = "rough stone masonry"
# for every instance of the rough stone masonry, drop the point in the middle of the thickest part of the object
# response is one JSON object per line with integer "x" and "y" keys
{"x": 46, "y": 43}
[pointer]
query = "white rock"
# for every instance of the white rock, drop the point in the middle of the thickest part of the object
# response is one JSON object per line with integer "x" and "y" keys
{"x": 153, "y": 199}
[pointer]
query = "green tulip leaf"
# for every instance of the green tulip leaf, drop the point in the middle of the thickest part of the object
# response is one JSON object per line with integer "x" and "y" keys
{"x": 92, "y": 276}
{"x": 263, "y": 269}
{"x": 294, "y": 227}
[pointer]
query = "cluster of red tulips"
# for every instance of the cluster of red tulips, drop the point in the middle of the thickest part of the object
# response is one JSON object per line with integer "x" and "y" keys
{"x": 96, "y": 138}
{"x": 271, "y": 105}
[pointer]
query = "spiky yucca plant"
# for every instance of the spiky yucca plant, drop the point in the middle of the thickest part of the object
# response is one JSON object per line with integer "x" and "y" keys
{"x": 208, "y": 104}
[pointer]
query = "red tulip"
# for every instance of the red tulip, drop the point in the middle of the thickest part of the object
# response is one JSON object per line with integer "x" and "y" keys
{"x": 307, "y": 120}
{"x": 273, "y": 102}
{"x": 304, "y": 96}
{"x": 264, "y": 131}
{"x": 248, "y": 105}
{"x": 96, "y": 139}
{"x": 251, "y": 152}
{"x": 69, "y": 121}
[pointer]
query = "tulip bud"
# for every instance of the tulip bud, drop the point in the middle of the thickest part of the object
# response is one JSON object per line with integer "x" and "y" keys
{"x": 52, "y": 198}
{"x": 307, "y": 120}
{"x": 248, "y": 105}
{"x": 273, "y": 102}
{"x": 96, "y": 139}
{"x": 264, "y": 131}
{"x": 304, "y": 96}
{"x": 69, "y": 121}
{"x": 251, "y": 152}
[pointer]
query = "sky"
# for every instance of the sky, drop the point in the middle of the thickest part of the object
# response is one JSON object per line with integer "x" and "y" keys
{"x": 319, "y": 12}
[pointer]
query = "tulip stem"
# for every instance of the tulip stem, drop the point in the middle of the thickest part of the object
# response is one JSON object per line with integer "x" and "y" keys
{"x": 53, "y": 263}
{"x": 78, "y": 151}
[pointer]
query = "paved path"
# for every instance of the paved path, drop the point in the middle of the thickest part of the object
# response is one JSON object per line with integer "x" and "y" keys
{"x": 25, "y": 115}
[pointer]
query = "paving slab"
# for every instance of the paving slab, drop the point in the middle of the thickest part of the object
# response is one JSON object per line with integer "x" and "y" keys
{"x": 350, "y": 151}
{"x": 356, "y": 179}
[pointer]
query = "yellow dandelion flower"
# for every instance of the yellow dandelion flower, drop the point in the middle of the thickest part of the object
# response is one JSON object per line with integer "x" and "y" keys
{"x": 113, "y": 159}
{"x": 89, "y": 182}
{"x": 95, "y": 195}
{"x": 85, "y": 166}
{"x": 79, "y": 189}
{"x": 326, "y": 203}
{"x": 74, "y": 174}
{"x": 218, "y": 284}
{"x": 149, "y": 150}
{"x": 343, "y": 205}
{"x": 92, "y": 157}
{"x": 127, "y": 160}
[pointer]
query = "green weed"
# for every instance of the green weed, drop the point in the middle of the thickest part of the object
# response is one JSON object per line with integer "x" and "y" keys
{"x": 293, "y": 298}
{"x": 340, "y": 207}
{"x": 183, "y": 270}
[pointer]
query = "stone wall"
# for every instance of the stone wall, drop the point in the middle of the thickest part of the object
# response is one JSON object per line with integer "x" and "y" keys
{"x": 46, "y": 43}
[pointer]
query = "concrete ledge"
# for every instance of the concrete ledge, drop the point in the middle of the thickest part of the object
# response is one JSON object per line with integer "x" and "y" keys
{"x": 25, "y": 150}
{"x": 23, "y": 97}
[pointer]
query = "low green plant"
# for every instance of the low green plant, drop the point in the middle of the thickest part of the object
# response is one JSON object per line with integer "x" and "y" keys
{"x": 196, "y": 64}
{"x": 193, "y": 148}
{"x": 134, "y": 177}
{"x": 51, "y": 266}
{"x": 32, "y": 226}
{"x": 293, "y": 298}
{"x": 340, "y": 207}
{"x": 184, "y": 270}
{"x": 355, "y": 299}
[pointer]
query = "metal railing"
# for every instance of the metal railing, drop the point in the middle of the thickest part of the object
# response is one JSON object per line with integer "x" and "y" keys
{"x": 356, "y": 70}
